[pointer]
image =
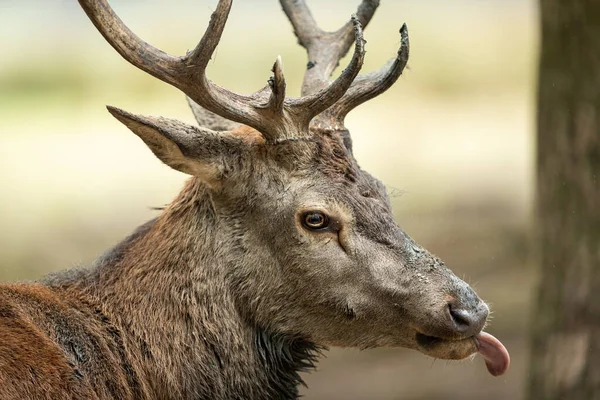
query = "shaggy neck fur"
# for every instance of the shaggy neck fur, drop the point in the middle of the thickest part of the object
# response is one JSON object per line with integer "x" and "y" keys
{"x": 165, "y": 290}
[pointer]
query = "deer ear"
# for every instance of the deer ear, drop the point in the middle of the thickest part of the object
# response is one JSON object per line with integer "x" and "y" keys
{"x": 200, "y": 152}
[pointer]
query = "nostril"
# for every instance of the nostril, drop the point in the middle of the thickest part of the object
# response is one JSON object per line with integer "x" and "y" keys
{"x": 467, "y": 320}
{"x": 461, "y": 318}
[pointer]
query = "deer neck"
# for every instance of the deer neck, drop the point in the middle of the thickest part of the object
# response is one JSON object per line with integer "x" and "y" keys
{"x": 166, "y": 289}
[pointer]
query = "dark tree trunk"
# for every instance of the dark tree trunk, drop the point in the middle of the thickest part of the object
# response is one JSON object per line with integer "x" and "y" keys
{"x": 565, "y": 356}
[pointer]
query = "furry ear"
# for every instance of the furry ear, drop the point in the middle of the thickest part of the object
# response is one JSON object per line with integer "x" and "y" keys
{"x": 200, "y": 152}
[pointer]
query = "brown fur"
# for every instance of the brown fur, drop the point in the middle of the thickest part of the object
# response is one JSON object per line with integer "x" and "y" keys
{"x": 54, "y": 347}
{"x": 248, "y": 134}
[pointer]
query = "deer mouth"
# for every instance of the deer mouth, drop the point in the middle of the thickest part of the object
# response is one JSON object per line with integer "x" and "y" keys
{"x": 497, "y": 359}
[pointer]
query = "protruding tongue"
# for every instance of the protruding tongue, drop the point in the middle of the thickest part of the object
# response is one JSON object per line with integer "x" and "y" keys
{"x": 494, "y": 353}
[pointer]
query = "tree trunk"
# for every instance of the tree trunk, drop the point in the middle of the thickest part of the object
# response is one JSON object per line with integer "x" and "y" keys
{"x": 565, "y": 353}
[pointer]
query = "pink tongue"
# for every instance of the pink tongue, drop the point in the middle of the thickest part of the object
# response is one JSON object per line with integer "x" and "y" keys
{"x": 494, "y": 353}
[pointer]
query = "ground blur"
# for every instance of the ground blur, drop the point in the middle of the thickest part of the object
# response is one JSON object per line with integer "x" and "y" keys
{"x": 453, "y": 140}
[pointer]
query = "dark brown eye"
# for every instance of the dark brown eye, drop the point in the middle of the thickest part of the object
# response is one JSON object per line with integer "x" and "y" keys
{"x": 315, "y": 220}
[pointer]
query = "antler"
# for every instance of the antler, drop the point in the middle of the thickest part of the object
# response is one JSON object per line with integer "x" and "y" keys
{"x": 325, "y": 49}
{"x": 267, "y": 110}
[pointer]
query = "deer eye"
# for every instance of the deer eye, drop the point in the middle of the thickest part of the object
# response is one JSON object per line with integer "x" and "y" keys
{"x": 315, "y": 220}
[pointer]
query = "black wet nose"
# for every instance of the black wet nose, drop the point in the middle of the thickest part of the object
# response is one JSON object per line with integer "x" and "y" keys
{"x": 467, "y": 320}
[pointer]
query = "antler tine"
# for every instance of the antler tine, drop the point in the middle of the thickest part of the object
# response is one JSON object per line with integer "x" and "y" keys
{"x": 324, "y": 49}
{"x": 202, "y": 53}
{"x": 315, "y": 103}
{"x": 277, "y": 84}
{"x": 368, "y": 86}
{"x": 217, "y": 99}
{"x": 364, "y": 13}
{"x": 305, "y": 26}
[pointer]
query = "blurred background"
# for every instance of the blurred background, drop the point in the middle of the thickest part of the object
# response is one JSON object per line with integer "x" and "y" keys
{"x": 453, "y": 140}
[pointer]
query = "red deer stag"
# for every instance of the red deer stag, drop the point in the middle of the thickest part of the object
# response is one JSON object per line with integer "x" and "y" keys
{"x": 278, "y": 246}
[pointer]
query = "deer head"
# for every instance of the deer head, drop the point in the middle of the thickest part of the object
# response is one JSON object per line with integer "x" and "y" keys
{"x": 312, "y": 245}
